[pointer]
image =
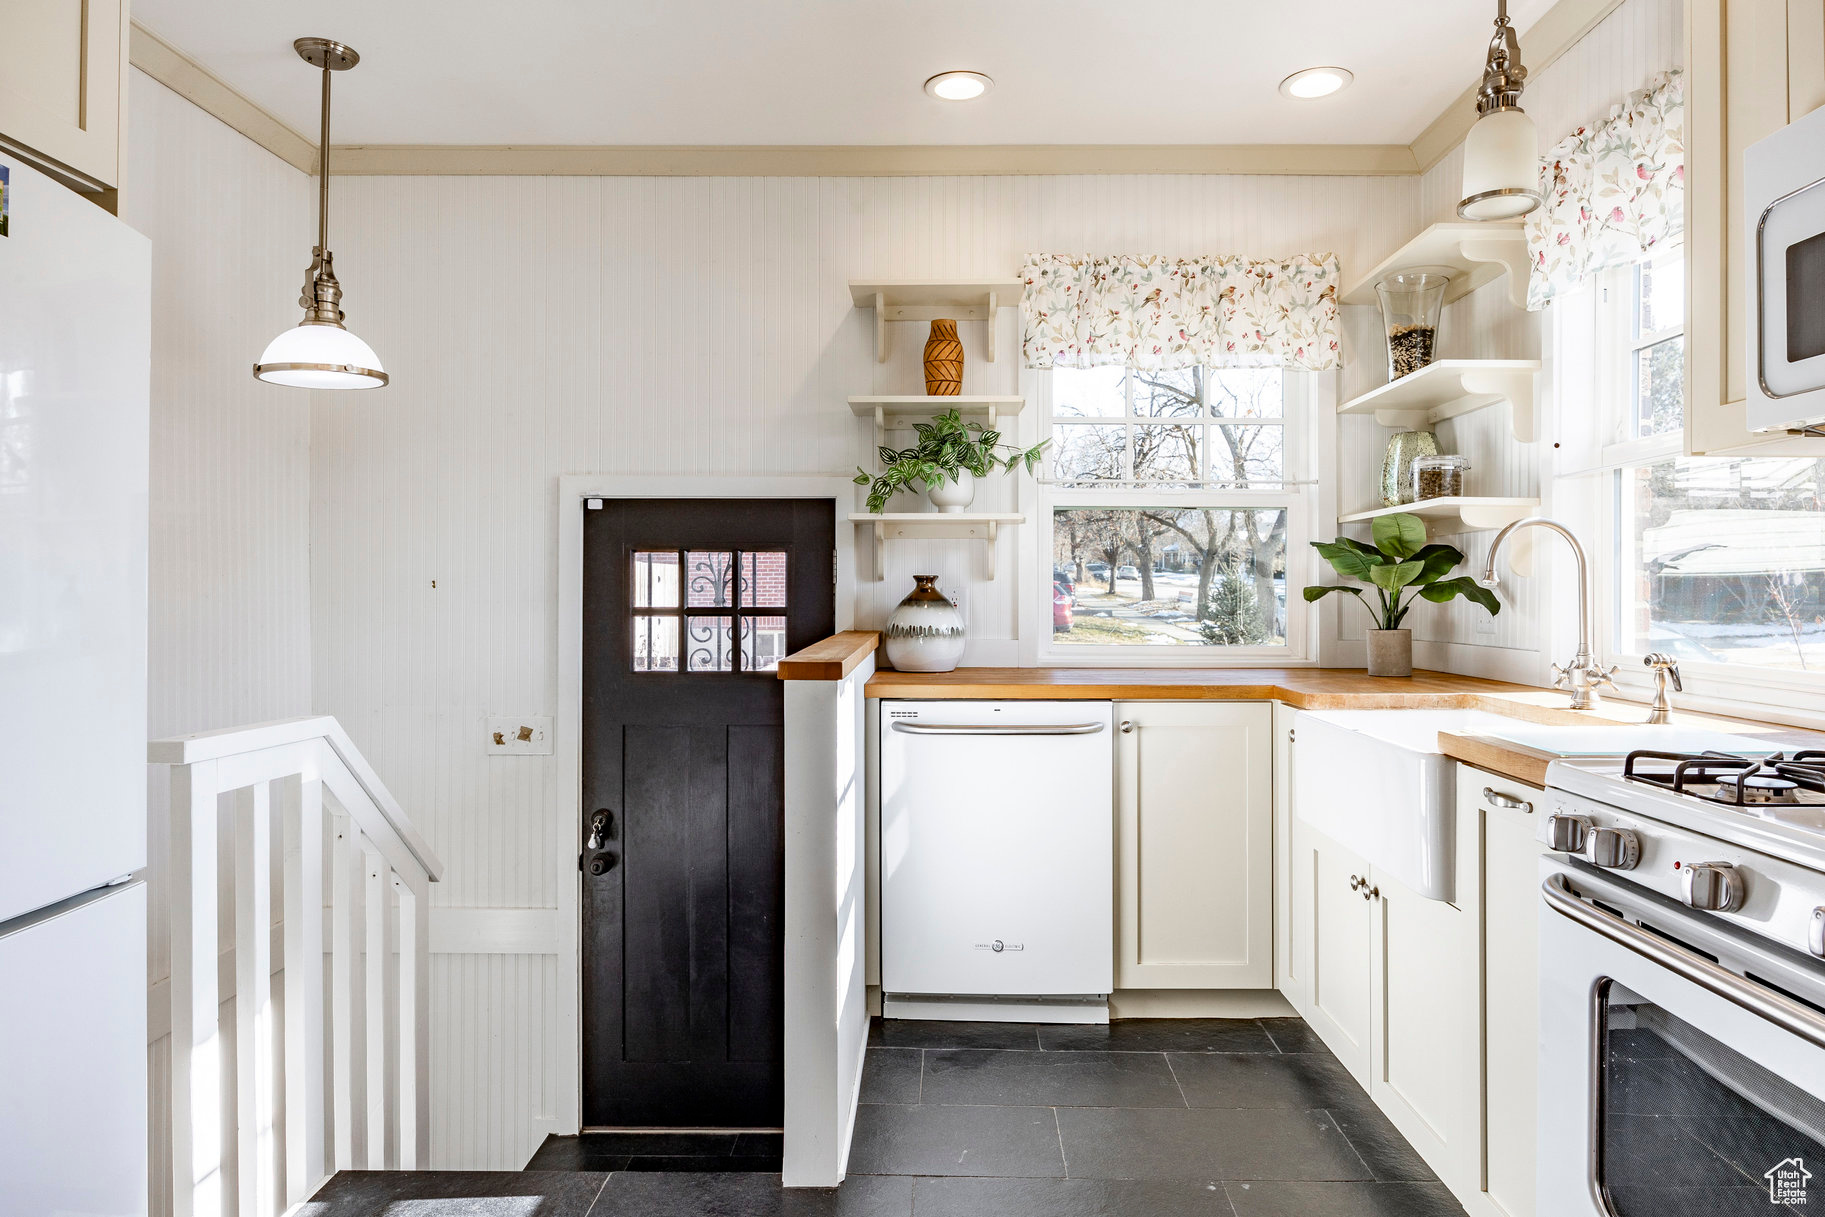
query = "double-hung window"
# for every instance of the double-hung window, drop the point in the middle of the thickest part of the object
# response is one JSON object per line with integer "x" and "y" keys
{"x": 1170, "y": 508}
{"x": 1717, "y": 561}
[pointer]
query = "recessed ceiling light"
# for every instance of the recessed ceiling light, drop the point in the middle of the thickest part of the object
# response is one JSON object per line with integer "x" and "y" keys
{"x": 1316, "y": 82}
{"x": 958, "y": 86}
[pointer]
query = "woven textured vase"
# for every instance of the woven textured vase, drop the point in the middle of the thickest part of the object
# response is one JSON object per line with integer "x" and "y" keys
{"x": 943, "y": 360}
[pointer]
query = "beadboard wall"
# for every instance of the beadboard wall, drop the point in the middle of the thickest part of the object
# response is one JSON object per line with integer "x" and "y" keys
{"x": 229, "y": 635}
{"x": 1634, "y": 43}
{"x": 691, "y": 327}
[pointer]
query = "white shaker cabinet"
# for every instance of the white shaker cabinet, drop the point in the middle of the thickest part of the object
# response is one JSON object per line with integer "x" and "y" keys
{"x": 1335, "y": 924}
{"x": 1504, "y": 812}
{"x": 1194, "y": 845}
{"x": 62, "y": 96}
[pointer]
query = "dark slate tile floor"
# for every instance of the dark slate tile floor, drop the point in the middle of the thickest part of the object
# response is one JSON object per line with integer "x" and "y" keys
{"x": 1141, "y": 1118}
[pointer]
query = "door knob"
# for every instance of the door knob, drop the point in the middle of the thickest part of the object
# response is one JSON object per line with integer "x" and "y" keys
{"x": 601, "y": 864}
{"x": 598, "y": 830}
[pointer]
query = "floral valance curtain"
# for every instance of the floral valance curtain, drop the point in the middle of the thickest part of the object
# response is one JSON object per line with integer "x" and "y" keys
{"x": 1614, "y": 191}
{"x": 1158, "y": 313}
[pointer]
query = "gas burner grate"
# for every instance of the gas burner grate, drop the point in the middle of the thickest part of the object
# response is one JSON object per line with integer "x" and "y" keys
{"x": 1739, "y": 781}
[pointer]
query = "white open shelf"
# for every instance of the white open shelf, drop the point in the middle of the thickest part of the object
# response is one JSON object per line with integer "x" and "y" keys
{"x": 1476, "y": 253}
{"x": 931, "y": 525}
{"x": 1450, "y": 387}
{"x": 883, "y": 408}
{"x": 930, "y": 299}
{"x": 1445, "y": 516}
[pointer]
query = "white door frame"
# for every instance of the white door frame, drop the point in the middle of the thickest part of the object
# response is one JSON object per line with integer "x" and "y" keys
{"x": 566, "y": 1077}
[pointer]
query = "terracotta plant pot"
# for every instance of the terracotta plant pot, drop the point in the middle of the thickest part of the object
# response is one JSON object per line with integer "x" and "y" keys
{"x": 943, "y": 360}
{"x": 1390, "y": 652}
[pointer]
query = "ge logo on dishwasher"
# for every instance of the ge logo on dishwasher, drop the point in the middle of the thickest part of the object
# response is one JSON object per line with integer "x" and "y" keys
{"x": 998, "y": 946}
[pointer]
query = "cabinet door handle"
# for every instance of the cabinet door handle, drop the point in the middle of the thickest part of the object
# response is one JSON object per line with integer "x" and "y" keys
{"x": 1127, "y": 726}
{"x": 1356, "y": 883}
{"x": 1373, "y": 893}
{"x": 1496, "y": 798}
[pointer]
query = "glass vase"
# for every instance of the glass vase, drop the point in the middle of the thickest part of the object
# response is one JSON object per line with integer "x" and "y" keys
{"x": 1397, "y": 465}
{"x": 1411, "y": 302}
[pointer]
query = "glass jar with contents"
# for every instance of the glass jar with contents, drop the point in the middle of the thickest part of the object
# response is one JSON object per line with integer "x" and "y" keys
{"x": 1439, "y": 477}
{"x": 1410, "y": 305}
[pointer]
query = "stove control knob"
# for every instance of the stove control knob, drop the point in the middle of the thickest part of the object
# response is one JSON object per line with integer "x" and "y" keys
{"x": 1713, "y": 887}
{"x": 1612, "y": 848}
{"x": 1815, "y": 933}
{"x": 1567, "y": 833}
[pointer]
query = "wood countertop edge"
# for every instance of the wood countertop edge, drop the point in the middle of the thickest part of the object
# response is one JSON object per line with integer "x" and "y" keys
{"x": 1502, "y": 757}
{"x": 831, "y": 659}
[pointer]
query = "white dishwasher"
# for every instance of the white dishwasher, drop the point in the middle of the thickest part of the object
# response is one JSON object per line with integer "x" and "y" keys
{"x": 997, "y": 860}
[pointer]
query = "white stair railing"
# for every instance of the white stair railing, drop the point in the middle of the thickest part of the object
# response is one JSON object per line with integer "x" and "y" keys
{"x": 376, "y": 1112}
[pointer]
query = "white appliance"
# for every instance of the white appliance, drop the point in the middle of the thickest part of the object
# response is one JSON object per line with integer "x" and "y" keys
{"x": 75, "y": 351}
{"x": 1784, "y": 260}
{"x": 997, "y": 860}
{"x": 1682, "y": 973}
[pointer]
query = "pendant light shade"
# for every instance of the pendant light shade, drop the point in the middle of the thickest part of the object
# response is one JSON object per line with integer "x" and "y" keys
{"x": 320, "y": 352}
{"x": 1502, "y": 151}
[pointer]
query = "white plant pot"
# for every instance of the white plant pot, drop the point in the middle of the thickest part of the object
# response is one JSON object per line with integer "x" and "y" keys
{"x": 953, "y": 496}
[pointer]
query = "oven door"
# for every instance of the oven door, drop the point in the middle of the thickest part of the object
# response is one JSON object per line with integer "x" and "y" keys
{"x": 1682, "y": 1064}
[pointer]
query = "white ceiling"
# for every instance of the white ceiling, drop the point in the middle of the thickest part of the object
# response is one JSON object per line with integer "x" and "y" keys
{"x": 845, "y": 71}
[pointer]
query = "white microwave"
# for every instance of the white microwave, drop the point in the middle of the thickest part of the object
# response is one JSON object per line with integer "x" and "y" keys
{"x": 1784, "y": 213}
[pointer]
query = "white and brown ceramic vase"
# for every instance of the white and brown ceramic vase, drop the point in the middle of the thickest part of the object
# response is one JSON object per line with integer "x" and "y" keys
{"x": 1390, "y": 652}
{"x": 943, "y": 360}
{"x": 925, "y": 632}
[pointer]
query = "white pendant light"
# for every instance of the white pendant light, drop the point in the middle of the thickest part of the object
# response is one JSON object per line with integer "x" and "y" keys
{"x": 1502, "y": 152}
{"x": 319, "y": 353}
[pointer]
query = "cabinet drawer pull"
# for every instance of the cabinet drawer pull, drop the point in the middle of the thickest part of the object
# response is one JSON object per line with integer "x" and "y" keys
{"x": 1127, "y": 726}
{"x": 1508, "y": 802}
{"x": 1356, "y": 883}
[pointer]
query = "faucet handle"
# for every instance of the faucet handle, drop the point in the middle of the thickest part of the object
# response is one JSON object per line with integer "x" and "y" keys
{"x": 1665, "y": 666}
{"x": 1562, "y": 677}
{"x": 1600, "y": 675}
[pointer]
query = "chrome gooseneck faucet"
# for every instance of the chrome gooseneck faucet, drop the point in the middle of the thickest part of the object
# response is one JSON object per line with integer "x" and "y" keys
{"x": 1584, "y": 675}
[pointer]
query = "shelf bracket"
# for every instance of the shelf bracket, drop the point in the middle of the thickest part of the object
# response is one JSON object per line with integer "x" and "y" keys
{"x": 880, "y": 327}
{"x": 991, "y": 356}
{"x": 1484, "y": 386}
{"x": 1403, "y": 420}
{"x": 1509, "y": 254}
{"x": 994, "y": 532}
{"x": 880, "y": 551}
{"x": 1478, "y": 518}
{"x": 880, "y": 431}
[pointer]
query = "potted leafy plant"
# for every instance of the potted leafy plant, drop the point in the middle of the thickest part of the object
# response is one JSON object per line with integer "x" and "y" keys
{"x": 1399, "y": 566}
{"x": 950, "y": 455}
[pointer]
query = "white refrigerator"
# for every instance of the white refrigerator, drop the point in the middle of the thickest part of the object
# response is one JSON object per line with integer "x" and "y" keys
{"x": 75, "y": 351}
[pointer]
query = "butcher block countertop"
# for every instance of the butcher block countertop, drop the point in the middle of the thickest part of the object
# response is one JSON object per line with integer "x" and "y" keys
{"x": 1313, "y": 689}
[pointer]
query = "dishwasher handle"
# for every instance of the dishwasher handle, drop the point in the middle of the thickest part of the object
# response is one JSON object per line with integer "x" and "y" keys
{"x": 999, "y": 728}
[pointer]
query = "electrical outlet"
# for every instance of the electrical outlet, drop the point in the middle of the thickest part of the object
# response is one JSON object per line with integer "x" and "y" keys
{"x": 956, "y": 598}
{"x": 1485, "y": 624}
{"x": 523, "y": 736}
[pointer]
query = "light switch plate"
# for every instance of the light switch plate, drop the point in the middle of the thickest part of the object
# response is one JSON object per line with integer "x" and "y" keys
{"x": 528, "y": 735}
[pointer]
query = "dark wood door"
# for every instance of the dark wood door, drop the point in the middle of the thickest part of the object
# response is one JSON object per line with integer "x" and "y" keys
{"x": 688, "y": 606}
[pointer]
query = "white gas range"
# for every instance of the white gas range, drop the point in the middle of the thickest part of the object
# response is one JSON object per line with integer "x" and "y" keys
{"x": 1682, "y": 962}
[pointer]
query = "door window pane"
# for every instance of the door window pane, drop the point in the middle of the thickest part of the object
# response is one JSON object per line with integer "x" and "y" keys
{"x": 763, "y": 643}
{"x": 709, "y": 644}
{"x": 1689, "y": 1125}
{"x": 1204, "y": 576}
{"x": 763, "y": 580}
{"x": 709, "y": 579}
{"x": 655, "y": 644}
{"x": 656, "y": 579}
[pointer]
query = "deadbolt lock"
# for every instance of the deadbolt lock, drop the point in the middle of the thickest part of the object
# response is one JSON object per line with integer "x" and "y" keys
{"x": 601, "y": 864}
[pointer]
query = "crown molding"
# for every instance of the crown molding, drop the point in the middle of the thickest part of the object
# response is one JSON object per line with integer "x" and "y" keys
{"x": 852, "y": 160}
{"x": 1551, "y": 36}
{"x": 195, "y": 84}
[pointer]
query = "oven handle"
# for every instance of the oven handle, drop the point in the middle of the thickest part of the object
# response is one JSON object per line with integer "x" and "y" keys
{"x": 998, "y": 729}
{"x": 1758, "y": 1000}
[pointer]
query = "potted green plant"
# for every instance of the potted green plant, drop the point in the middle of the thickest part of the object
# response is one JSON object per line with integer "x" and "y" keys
{"x": 950, "y": 455}
{"x": 1399, "y": 567}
